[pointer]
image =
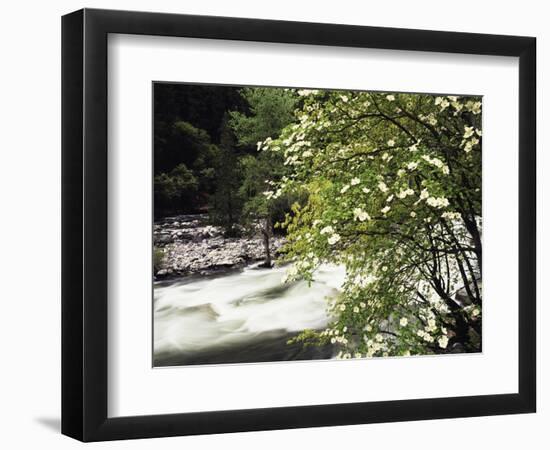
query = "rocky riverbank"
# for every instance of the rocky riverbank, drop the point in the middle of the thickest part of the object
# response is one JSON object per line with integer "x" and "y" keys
{"x": 187, "y": 244}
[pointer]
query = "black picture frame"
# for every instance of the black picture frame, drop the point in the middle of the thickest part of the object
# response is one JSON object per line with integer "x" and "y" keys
{"x": 84, "y": 224}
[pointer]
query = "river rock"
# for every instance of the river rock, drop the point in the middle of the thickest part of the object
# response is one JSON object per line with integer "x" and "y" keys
{"x": 190, "y": 245}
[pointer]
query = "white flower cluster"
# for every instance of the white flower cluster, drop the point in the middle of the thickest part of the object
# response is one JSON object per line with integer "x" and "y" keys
{"x": 382, "y": 186}
{"x": 430, "y": 118}
{"x": 473, "y": 311}
{"x": 339, "y": 339}
{"x": 264, "y": 145}
{"x": 375, "y": 345}
{"x": 443, "y": 103}
{"x": 437, "y": 202}
{"x": 443, "y": 341}
{"x": 342, "y": 355}
{"x": 437, "y": 163}
{"x": 474, "y": 107}
{"x": 294, "y": 143}
{"x": 306, "y": 92}
{"x": 469, "y": 138}
{"x": 469, "y": 145}
{"x": 403, "y": 193}
{"x": 360, "y": 214}
{"x": 451, "y": 215}
{"x": 294, "y": 270}
{"x": 334, "y": 237}
{"x": 290, "y": 274}
{"x": 327, "y": 230}
{"x": 425, "y": 335}
{"x": 452, "y": 100}
{"x": 292, "y": 161}
{"x": 468, "y": 132}
{"x": 360, "y": 281}
{"x": 272, "y": 195}
{"x": 431, "y": 327}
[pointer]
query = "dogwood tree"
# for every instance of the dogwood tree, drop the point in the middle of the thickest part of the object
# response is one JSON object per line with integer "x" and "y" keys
{"x": 393, "y": 183}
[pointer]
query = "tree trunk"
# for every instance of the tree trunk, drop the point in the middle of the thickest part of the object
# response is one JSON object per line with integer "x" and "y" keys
{"x": 266, "y": 232}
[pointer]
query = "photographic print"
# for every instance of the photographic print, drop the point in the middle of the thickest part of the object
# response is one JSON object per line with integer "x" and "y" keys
{"x": 309, "y": 224}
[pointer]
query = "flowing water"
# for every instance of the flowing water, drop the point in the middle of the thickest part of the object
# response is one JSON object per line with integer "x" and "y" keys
{"x": 244, "y": 316}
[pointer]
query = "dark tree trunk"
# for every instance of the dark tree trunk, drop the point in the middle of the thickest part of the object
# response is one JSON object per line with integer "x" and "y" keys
{"x": 266, "y": 232}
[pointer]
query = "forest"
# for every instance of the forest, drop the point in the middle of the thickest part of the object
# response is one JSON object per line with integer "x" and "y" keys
{"x": 385, "y": 186}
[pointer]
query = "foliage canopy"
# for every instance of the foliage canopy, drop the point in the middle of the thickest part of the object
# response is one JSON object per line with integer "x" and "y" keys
{"x": 394, "y": 195}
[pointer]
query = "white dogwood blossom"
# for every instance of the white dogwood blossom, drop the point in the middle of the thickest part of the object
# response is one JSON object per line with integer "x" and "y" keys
{"x": 468, "y": 132}
{"x": 328, "y": 229}
{"x": 437, "y": 202}
{"x": 382, "y": 186}
{"x": 451, "y": 215}
{"x": 360, "y": 214}
{"x": 405, "y": 192}
{"x": 443, "y": 341}
{"x": 307, "y": 92}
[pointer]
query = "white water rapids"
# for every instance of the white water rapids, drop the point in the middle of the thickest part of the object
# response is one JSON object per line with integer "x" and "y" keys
{"x": 244, "y": 316}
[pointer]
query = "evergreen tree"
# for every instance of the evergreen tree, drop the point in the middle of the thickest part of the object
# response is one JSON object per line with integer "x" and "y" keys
{"x": 270, "y": 111}
{"x": 226, "y": 203}
{"x": 175, "y": 191}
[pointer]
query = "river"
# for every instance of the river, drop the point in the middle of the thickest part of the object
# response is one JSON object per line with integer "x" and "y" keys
{"x": 240, "y": 316}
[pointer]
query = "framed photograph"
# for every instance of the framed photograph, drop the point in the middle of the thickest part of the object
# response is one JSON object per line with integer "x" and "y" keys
{"x": 273, "y": 224}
